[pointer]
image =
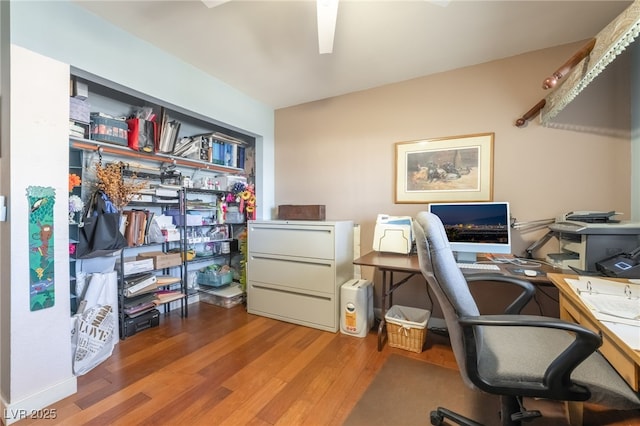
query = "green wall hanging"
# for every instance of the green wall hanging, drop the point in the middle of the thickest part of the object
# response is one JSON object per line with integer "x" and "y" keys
{"x": 41, "y": 259}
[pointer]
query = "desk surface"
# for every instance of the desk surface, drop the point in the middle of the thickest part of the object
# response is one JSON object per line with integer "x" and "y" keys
{"x": 409, "y": 263}
{"x": 390, "y": 261}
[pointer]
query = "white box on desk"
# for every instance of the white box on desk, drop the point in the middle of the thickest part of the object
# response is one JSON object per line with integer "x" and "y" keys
{"x": 393, "y": 234}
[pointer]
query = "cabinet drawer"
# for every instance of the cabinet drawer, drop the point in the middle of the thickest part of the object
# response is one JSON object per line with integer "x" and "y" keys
{"x": 303, "y": 241}
{"x": 299, "y": 273}
{"x": 312, "y": 311}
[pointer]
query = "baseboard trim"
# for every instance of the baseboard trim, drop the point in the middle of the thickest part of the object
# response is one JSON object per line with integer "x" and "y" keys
{"x": 35, "y": 404}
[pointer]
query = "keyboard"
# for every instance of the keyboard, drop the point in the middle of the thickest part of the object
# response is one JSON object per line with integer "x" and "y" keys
{"x": 479, "y": 266}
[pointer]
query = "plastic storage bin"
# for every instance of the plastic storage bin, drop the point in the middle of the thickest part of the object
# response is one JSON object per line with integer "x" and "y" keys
{"x": 109, "y": 130}
{"x": 407, "y": 327}
{"x": 227, "y": 297}
{"x": 215, "y": 278}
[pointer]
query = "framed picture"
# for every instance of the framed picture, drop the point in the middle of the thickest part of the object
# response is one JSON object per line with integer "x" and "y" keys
{"x": 458, "y": 168}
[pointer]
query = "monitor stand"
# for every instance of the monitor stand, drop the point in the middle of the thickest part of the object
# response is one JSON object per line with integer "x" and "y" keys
{"x": 466, "y": 257}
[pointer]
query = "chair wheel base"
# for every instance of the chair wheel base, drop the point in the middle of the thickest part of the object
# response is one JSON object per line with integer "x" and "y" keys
{"x": 438, "y": 416}
{"x": 436, "y": 419}
{"x": 526, "y": 415}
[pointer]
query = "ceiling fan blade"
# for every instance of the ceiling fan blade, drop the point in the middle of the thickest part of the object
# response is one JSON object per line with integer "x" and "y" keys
{"x": 327, "y": 14}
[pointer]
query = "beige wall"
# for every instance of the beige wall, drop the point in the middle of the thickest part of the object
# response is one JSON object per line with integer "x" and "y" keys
{"x": 340, "y": 151}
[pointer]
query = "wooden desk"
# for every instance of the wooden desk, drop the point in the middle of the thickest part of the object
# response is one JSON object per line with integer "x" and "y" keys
{"x": 621, "y": 356}
{"x": 407, "y": 266}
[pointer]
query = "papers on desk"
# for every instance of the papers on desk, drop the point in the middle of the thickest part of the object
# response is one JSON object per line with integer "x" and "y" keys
{"x": 614, "y": 303}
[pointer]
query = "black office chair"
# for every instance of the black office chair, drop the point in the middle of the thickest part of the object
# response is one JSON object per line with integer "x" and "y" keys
{"x": 513, "y": 355}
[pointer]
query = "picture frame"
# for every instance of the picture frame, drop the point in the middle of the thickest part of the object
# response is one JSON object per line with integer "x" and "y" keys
{"x": 447, "y": 169}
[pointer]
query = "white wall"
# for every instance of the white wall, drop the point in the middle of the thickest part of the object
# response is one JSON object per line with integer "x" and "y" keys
{"x": 37, "y": 358}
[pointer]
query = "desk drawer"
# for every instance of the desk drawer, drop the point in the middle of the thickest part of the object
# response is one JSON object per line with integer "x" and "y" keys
{"x": 299, "y": 240}
{"x": 299, "y": 274}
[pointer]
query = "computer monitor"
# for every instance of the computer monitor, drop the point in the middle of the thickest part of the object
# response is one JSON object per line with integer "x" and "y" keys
{"x": 475, "y": 227}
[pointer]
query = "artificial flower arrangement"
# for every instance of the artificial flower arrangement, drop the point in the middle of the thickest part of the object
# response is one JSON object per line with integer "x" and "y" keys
{"x": 74, "y": 180}
{"x": 246, "y": 196}
{"x": 112, "y": 182}
{"x": 75, "y": 205}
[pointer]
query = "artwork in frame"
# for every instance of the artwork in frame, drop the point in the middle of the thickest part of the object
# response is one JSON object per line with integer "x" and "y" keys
{"x": 457, "y": 168}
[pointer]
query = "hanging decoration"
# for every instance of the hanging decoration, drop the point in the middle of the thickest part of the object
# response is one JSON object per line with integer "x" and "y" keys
{"x": 246, "y": 197}
{"x": 41, "y": 262}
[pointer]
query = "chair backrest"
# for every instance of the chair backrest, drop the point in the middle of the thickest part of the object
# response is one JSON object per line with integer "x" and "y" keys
{"x": 438, "y": 265}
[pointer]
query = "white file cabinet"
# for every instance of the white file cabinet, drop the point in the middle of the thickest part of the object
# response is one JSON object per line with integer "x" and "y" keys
{"x": 295, "y": 270}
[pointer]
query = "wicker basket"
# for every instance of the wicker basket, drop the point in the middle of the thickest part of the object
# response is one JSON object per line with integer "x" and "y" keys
{"x": 407, "y": 327}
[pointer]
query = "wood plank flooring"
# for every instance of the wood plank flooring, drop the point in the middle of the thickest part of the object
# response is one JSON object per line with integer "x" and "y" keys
{"x": 227, "y": 367}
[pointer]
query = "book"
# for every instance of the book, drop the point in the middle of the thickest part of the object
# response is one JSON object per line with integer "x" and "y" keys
{"x": 139, "y": 284}
{"x": 165, "y": 296}
{"x": 164, "y": 280}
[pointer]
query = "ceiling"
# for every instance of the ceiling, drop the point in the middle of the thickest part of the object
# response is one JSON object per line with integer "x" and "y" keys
{"x": 269, "y": 49}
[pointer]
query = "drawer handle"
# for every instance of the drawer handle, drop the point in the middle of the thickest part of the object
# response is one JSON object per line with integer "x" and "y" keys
{"x": 291, "y": 261}
{"x": 328, "y": 299}
{"x": 268, "y": 228}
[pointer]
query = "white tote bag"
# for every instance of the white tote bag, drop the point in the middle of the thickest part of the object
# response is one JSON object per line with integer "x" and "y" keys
{"x": 96, "y": 329}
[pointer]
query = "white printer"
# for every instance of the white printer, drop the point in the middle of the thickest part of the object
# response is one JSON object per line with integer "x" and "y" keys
{"x": 583, "y": 244}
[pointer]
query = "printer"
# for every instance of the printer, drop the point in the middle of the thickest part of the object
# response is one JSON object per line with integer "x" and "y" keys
{"x": 583, "y": 243}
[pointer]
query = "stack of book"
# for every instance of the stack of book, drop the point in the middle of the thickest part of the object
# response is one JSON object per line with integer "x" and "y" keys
{"x": 143, "y": 292}
{"x": 137, "y": 228}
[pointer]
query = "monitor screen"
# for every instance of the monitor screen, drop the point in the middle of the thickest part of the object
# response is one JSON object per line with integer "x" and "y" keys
{"x": 475, "y": 227}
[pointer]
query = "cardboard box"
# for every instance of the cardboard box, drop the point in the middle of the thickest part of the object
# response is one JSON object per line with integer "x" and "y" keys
{"x": 393, "y": 234}
{"x": 134, "y": 265}
{"x": 301, "y": 212}
{"x": 162, "y": 260}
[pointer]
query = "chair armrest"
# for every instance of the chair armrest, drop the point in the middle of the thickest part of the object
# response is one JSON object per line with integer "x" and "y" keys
{"x": 557, "y": 382}
{"x": 528, "y": 289}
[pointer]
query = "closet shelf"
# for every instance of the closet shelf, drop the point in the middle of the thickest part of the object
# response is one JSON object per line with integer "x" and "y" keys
{"x": 123, "y": 151}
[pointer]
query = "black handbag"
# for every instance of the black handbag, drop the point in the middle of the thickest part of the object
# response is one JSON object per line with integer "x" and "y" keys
{"x": 99, "y": 231}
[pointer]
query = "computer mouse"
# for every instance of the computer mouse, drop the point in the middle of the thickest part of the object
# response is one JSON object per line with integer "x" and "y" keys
{"x": 530, "y": 272}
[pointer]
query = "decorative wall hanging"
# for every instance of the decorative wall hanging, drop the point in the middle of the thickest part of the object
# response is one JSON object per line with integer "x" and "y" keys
{"x": 458, "y": 168}
{"x": 609, "y": 43}
{"x": 41, "y": 261}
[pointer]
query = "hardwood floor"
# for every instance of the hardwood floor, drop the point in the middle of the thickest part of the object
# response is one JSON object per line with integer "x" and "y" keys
{"x": 226, "y": 367}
